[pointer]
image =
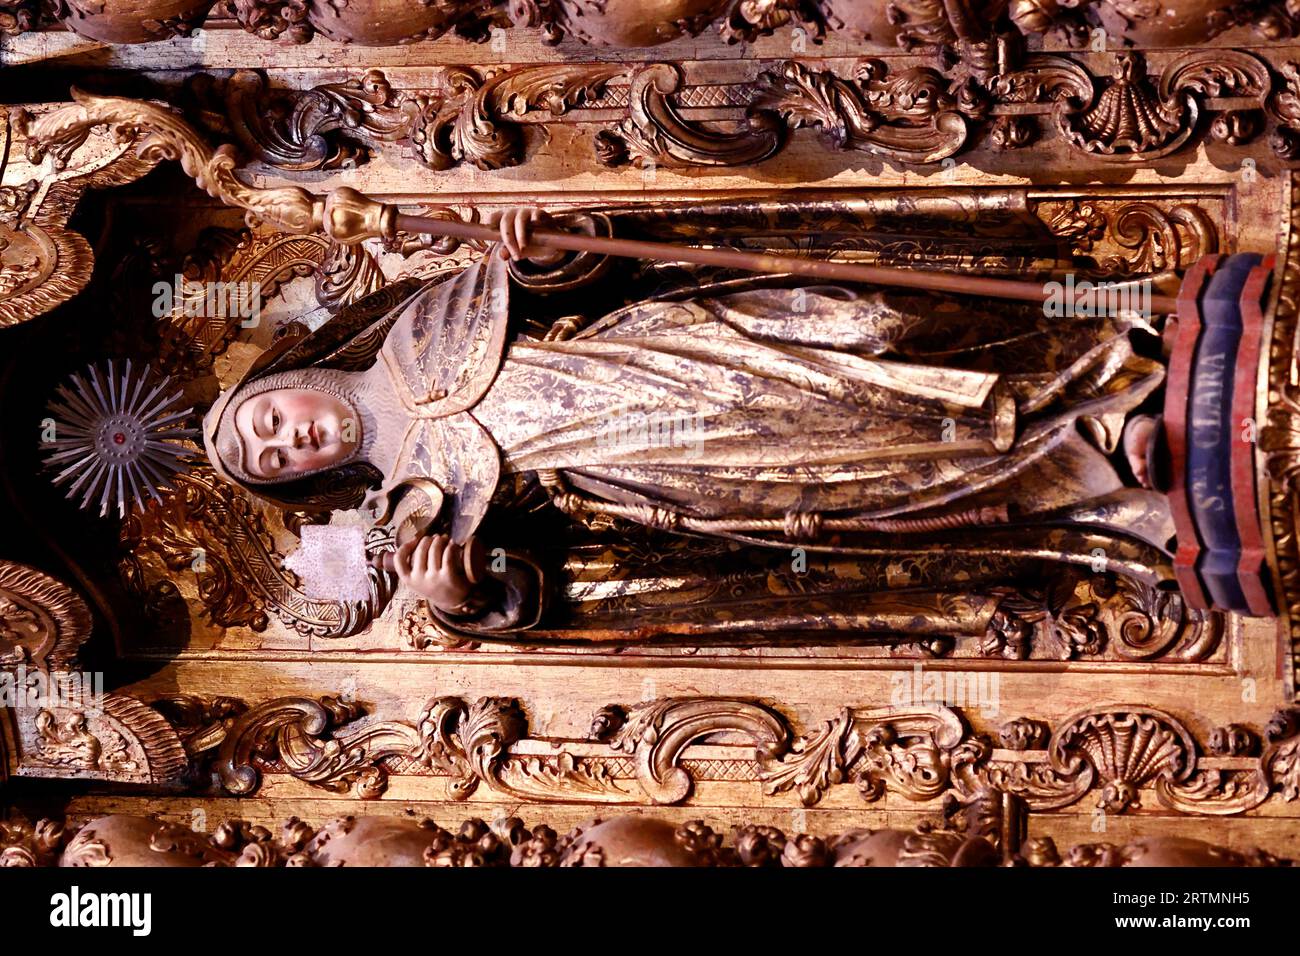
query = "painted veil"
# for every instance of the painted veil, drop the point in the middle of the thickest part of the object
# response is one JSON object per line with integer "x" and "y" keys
{"x": 348, "y": 341}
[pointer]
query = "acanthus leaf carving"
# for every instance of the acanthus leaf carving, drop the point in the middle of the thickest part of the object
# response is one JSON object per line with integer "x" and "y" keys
{"x": 292, "y": 730}
{"x": 906, "y": 747}
{"x": 1132, "y": 238}
{"x": 911, "y": 117}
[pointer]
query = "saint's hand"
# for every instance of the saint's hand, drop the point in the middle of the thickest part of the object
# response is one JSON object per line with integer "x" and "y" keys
{"x": 438, "y": 568}
{"x": 516, "y": 225}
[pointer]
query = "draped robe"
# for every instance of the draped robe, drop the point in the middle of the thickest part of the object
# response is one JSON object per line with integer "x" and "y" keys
{"x": 765, "y": 402}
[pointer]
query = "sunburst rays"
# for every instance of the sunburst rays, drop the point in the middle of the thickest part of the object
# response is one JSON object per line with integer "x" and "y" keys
{"x": 117, "y": 438}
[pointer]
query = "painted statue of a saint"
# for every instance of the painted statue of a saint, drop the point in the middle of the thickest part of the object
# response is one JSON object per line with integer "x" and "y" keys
{"x": 787, "y": 415}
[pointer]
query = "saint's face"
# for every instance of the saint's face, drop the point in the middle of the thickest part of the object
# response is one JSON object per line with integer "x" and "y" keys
{"x": 290, "y": 431}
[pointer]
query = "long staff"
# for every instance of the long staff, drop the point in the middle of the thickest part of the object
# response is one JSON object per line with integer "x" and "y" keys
{"x": 909, "y": 278}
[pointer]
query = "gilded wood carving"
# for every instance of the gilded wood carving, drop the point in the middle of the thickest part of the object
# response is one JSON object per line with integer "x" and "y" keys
{"x": 670, "y": 672}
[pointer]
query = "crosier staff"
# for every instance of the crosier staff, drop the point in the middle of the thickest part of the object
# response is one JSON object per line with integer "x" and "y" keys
{"x": 348, "y": 211}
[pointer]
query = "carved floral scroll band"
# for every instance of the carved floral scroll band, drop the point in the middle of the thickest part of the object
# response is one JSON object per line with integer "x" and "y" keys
{"x": 910, "y": 114}
{"x": 653, "y": 752}
{"x": 657, "y": 751}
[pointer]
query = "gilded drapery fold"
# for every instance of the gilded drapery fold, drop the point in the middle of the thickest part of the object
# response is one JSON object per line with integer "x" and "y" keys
{"x": 765, "y": 402}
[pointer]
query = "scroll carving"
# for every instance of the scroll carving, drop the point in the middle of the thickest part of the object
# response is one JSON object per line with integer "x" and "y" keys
{"x": 911, "y": 117}
{"x": 1133, "y": 238}
{"x": 464, "y": 115}
{"x": 870, "y": 748}
{"x": 645, "y": 755}
{"x": 470, "y": 741}
{"x": 1088, "y": 612}
{"x": 655, "y": 132}
{"x": 658, "y": 731}
{"x": 293, "y": 729}
{"x": 291, "y": 131}
{"x": 241, "y": 578}
{"x": 61, "y": 722}
{"x": 916, "y": 115}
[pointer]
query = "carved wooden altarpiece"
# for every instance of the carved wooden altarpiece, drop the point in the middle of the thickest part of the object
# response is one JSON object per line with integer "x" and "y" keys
{"x": 1004, "y": 139}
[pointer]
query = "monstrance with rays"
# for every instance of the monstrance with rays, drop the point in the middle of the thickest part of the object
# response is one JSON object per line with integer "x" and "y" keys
{"x": 117, "y": 437}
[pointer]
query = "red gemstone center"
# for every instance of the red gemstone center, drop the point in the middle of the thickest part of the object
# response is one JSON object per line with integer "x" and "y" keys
{"x": 119, "y": 438}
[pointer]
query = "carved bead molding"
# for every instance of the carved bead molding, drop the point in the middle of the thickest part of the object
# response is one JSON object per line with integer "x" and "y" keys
{"x": 657, "y": 752}
{"x": 73, "y": 732}
{"x": 622, "y": 841}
